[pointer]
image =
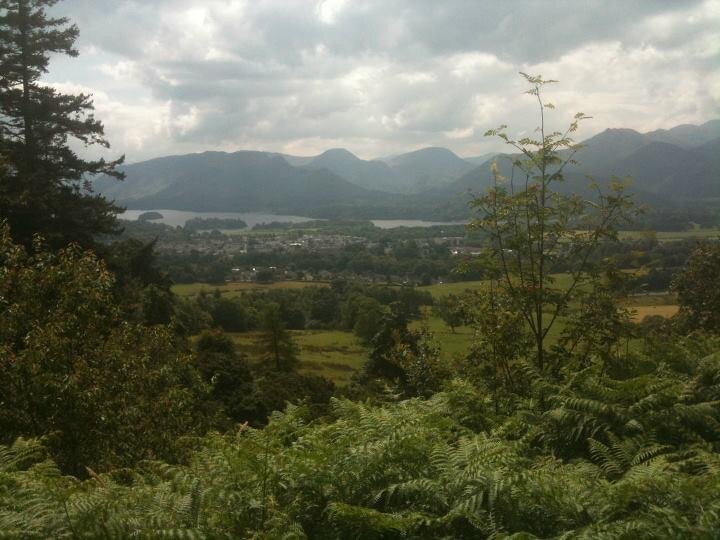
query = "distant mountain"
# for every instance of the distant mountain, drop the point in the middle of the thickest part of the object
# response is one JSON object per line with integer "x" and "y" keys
{"x": 297, "y": 161}
{"x": 240, "y": 181}
{"x": 662, "y": 173}
{"x": 688, "y": 135}
{"x": 674, "y": 172}
{"x": 367, "y": 174}
{"x": 607, "y": 146}
{"x": 428, "y": 168}
{"x": 429, "y": 183}
{"x": 405, "y": 173}
{"x": 479, "y": 160}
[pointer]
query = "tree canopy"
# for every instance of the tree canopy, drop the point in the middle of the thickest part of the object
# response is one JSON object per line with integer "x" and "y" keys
{"x": 45, "y": 183}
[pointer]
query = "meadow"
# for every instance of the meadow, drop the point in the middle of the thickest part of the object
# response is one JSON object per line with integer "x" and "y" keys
{"x": 671, "y": 236}
{"x": 331, "y": 353}
{"x": 337, "y": 355}
{"x": 235, "y": 288}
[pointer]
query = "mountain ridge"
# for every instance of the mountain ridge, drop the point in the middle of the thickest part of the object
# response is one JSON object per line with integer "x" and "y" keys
{"x": 415, "y": 183}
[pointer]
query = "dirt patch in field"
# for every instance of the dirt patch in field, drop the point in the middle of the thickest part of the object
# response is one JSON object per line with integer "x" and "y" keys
{"x": 640, "y": 312}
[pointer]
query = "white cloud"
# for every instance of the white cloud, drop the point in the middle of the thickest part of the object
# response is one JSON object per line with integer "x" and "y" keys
{"x": 379, "y": 76}
{"x": 328, "y": 10}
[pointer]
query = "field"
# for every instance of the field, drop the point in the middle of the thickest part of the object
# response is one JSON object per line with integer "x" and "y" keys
{"x": 337, "y": 355}
{"x": 443, "y": 289}
{"x": 670, "y": 236}
{"x": 645, "y": 305}
{"x": 235, "y": 288}
{"x": 332, "y": 354}
{"x": 640, "y": 312}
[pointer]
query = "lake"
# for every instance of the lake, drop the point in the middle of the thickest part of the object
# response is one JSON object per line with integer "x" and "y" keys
{"x": 176, "y": 218}
{"x": 395, "y": 223}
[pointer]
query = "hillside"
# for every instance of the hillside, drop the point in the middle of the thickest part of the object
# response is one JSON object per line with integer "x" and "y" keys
{"x": 428, "y": 168}
{"x": 661, "y": 173}
{"x": 367, "y": 174}
{"x": 431, "y": 183}
{"x": 240, "y": 181}
{"x": 688, "y": 135}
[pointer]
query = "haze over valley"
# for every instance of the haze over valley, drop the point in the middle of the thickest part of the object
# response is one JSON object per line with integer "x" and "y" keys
{"x": 667, "y": 167}
{"x": 359, "y": 269}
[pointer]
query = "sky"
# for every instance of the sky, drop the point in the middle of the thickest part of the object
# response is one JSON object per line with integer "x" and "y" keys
{"x": 381, "y": 77}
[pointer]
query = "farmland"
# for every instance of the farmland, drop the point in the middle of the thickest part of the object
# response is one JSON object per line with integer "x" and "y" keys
{"x": 337, "y": 354}
{"x": 235, "y": 288}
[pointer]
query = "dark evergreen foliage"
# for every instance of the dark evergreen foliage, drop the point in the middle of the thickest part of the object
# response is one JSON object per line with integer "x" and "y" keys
{"x": 44, "y": 183}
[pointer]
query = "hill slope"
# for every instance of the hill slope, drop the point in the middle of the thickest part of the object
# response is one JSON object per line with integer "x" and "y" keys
{"x": 367, "y": 174}
{"x": 240, "y": 181}
{"x": 428, "y": 168}
{"x": 337, "y": 183}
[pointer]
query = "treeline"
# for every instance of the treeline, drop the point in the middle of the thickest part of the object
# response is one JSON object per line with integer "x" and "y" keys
{"x": 341, "y": 306}
{"x": 102, "y": 368}
{"x": 485, "y": 444}
{"x": 209, "y": 224}
{"x": 563, "y": 419}
{"x": 402, "y": 259}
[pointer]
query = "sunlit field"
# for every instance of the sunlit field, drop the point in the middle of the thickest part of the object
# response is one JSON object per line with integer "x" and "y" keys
{"x": 332, "y": 354}
{"x": 237, "y": 287}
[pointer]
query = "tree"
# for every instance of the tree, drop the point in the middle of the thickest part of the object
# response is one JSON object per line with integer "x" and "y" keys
{"x": 45, "y": 188}
{"x": 369, "y": 318}
{"x": 500, "y": 343}
{"x": 276, "y": 340}
{"x": 229, "y": 314}
{"x": 451, "y": 311}
{"x": 534, "y": 229}
{"x": 106, "y": 392}
{"x": 228, "y": 374}
{"x": 698, "y": 289}
{"x": 393, "y": 332}
{"x": 323, "y": 305}
{"x": 419, "y": 358}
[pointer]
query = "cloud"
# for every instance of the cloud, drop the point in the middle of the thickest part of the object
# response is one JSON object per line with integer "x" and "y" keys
{"x": 380, "y": 77}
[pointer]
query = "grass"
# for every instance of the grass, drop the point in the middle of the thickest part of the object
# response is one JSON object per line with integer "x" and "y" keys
{"x": 443, "y": 289}
{"x": 236, "y": 288}
{"x": 337, "y": 355}
{"x": 451, "y": 344}
{"x": 640, "y": 312}
{"x": 670, "y": 236}
{"x": 331, "y": 353}
{"x": 644, "y": 305}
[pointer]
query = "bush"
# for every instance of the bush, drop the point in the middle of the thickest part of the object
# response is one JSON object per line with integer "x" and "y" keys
{"x": 105, "y": 391}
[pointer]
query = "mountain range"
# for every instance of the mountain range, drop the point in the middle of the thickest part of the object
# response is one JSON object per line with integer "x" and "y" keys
{"x": 667, "y": 166}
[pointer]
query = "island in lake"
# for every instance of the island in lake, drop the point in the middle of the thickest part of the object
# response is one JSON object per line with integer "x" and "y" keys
{"x": 150, "y": 216}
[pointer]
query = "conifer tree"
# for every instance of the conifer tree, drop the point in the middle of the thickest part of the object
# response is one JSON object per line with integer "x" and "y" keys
{"x": 45, "y": 186}
{"x": 276, "y": 340}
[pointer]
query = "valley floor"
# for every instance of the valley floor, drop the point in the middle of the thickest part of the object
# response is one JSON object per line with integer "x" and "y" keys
{"x": 337, "y": 354}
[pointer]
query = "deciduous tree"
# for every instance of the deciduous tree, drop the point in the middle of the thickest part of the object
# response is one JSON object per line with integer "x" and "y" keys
{"x": 534, "y": 228}
{"x": 698, "y": 289}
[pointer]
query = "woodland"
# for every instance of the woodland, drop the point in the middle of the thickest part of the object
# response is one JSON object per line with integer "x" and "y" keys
{"x": 130, "y": 411}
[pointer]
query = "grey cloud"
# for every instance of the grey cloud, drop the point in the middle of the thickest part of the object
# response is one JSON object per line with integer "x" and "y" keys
{"x": 388, "y": 75}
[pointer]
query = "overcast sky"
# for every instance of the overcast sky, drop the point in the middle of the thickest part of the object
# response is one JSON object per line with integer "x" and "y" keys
{"x": 380, "y": 77}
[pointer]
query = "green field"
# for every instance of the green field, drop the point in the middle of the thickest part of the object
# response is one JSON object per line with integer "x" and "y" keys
{"x": 443, "y": 289}
{"x": 451, "y": 344}
{"x": 237, "y": 287}
{"x": 330, "y": 353}
{"x": 337, "y": 355}
{"x": 670, "y": 236}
